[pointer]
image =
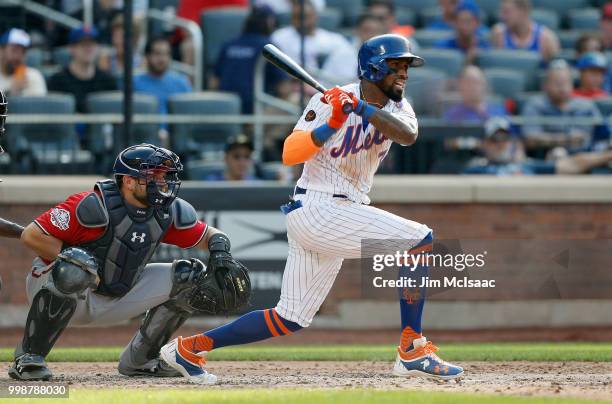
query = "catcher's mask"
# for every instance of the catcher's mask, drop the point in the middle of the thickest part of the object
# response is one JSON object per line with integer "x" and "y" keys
{"x": 155, "y": 167}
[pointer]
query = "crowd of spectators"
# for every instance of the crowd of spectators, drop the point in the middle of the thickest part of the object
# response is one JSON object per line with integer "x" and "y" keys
{"x": 570, "y": 82}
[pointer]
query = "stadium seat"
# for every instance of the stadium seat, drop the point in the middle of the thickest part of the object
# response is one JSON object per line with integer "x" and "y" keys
{"x": 548, "y": 18}
{"x": 35, "y": 57}
{"x": 559, "y": 6}
{"x": 448, "y": 60}
{"x": 505, "y": 82}
{"x": 405, "y": 16}
{"x": 427, "y": 38}
{"x": 220, "y": 25}
{"x": 605, "y": 106}
{"x": 194, "y": 139}
{"x": 415, "y": 5}
{"x": 429, "y": 14}
{"x": 491, "y": 7}
{"x": 584, "y": 19}
{"x": 522, "y": 98}
{"x": 330, "y": 19}
{"x": 425, "y": 86}
{"x": 101, "y": 136}
{"x": 198, "y": 170}
{"x": 568, "y": 38}
{"x": 53, "y": 147}
{"x": 519, "y": 60}
{"x": 61, "y": 55}
{"x": 349, "y": 9}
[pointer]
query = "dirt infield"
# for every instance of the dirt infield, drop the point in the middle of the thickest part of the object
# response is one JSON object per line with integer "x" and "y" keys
{"x": 572, "y": 379}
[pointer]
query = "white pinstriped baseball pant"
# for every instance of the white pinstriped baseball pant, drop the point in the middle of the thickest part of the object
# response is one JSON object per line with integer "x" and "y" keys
{"x": 322, "y": 233}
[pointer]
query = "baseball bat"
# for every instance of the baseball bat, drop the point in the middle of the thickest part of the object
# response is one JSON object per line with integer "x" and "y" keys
{"x": 279, "y": 59}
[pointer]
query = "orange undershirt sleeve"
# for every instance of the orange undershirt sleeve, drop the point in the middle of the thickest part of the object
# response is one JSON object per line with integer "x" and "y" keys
{"x": 298, "y": 147}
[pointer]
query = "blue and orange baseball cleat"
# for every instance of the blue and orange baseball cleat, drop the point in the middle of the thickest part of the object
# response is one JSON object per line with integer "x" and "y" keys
{"x": 422, "y": 361}
{"x": 189, "y": 364}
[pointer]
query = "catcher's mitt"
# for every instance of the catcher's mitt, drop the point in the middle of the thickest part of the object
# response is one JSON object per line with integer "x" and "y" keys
{"x": 224, "y": 287}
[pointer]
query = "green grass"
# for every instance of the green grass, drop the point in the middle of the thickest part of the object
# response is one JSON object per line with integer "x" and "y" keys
{"x": 294, "y": 396}
{"x": 592, "y": 352}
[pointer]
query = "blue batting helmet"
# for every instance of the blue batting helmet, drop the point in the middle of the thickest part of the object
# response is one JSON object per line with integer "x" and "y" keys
{"x": 374, "y": 52}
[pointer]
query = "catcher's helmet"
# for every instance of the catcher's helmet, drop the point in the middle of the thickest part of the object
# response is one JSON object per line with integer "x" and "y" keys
{"x": 3, "y": 111}
{"x": 374, "y": 52}
{"x": 147, "y": 162}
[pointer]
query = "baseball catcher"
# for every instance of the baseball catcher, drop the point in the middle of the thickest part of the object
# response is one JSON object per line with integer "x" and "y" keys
{"x": 92, "y": 265}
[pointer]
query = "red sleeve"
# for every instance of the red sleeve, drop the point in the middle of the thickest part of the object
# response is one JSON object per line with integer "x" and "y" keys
{"x": 61, "y": 222}
{"x": 187, "y": 238}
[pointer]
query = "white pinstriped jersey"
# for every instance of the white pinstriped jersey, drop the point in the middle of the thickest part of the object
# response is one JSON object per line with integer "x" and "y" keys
{"x": 347, "y": 162}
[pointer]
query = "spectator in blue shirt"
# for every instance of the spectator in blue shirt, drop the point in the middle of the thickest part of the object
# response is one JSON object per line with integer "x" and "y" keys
{"x": 473, "y": 107}
{"x": 159, "y": 80}
{"x": 504, "y": 154}
{"x": 466, "y": 38}
{"x": 235, "y": 69}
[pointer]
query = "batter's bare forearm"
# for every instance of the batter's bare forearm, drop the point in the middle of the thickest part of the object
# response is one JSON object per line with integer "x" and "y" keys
{"x": 393, "y": 128}
{"x": 10, "y": 229}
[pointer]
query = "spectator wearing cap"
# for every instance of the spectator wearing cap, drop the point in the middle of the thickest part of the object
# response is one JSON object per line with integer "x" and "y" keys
{"x": 81, "y": 77}
{"x": 473, "y": 107}
{"x": 593, "y": 67}
{"x": 504, "y": 154}
{"x": 319, "y": 44}
{"x": 159, "y": 80}
{"x": 16, "y": 78}
{"x": 466, "y": 39}
{"x": 518, "y": 31}
{"x": 239, "y": 165}
{"x": 557, "y": 101}
{"x": 235, "y": 69}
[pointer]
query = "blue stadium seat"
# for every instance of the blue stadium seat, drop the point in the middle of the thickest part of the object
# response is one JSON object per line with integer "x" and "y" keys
{"x": 194, "y": 139}
{"x": 349, "y": 9}
{"x": 52, "y": 147}
{"x": 605, "y": 106}
{"x": 519, "y": 60}
{"x": 101, "y": 136}
{"x": 429, "y": 14}
{"x": 61, "y": 55}
{"x": 568, "y": 38}
{"x": 584, "y": 19}
{"x": 416, "y": 5}
{"x": 427, "y": 38}
{"x": 220, "y": 25}
{"x": 330, "y": 19}
{"x": 198, "y": 170}
{"x": 505, "y": 82}
{"x": 491, "y": 7}
{"x": 425, "y": 86}
{"x": 405, "y": 16}
{"x": 559, "y": 6}
{"x": 545, "y": 17}
{"x": 35, "y": 57}
{"x": 522, "y": 98}
{"x": 448, "y": 60}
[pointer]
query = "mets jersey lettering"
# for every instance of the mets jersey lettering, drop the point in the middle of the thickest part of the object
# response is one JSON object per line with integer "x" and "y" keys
{"x": 348, "y": 160}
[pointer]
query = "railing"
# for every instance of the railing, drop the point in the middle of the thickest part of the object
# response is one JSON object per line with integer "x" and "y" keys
{"x": 44, "y": 11}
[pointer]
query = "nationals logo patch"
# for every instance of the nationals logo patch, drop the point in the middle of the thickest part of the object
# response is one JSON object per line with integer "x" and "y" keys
{"x": 310, "y": 116}
{"x": 60, "y": 218}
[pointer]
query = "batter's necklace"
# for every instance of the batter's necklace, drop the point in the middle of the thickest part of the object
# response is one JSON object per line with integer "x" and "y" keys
{"x": 362, "y": 96}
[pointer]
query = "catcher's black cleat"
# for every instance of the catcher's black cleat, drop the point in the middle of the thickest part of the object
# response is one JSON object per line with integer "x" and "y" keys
{"x": 158, "y": 369}
{"x": 30, "y": 367}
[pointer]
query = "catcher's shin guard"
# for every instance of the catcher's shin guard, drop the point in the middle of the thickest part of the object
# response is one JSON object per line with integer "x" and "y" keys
{"x": 160, "y": 322}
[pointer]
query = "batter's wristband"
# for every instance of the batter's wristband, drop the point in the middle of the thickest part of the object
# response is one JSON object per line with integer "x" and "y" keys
{"x": 364, "y": 109}
{"x": 323, "y": 132}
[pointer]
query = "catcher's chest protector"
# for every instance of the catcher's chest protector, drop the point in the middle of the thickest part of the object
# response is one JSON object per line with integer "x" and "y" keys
{"x": 131, "y": 237}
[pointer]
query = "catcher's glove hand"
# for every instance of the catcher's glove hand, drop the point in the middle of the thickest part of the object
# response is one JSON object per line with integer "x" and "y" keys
{"x": 224, "y": 287}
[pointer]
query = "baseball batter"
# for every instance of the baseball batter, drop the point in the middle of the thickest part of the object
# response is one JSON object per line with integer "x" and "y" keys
{"x": 329, "y": 216}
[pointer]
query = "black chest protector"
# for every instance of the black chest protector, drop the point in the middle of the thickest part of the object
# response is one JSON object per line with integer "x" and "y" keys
{"x": 131, "y": 236}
